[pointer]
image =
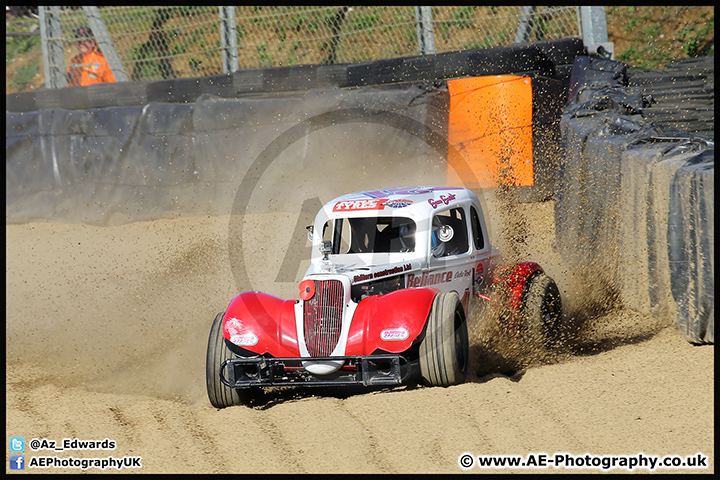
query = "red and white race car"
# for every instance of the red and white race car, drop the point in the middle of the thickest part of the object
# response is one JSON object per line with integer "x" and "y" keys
{"x": 384, "y": 302}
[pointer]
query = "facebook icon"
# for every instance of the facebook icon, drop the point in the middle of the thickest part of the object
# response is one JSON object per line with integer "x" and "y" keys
{"x": 17, "y": 462}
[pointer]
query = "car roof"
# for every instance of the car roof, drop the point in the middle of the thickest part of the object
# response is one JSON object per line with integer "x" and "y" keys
{"x": 419, "y": 201}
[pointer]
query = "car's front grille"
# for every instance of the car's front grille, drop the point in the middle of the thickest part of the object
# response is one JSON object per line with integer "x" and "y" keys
{"x": 323, "y": 317}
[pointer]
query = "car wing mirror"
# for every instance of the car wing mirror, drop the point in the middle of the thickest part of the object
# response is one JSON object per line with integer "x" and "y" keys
{"x": 309, "y": 229}
{"x": 326, "y": 249}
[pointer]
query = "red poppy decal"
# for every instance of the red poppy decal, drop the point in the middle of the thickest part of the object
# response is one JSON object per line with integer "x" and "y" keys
{"x": 307, "y": 289}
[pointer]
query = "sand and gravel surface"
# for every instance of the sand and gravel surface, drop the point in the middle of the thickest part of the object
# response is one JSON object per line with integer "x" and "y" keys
{"x": 107, "y": 327}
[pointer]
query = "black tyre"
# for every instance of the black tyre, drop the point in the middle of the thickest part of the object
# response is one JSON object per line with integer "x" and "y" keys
{"x": 542, "y": 310}
{"x": 444, "y": 352}
{"x": 220, "y": 395}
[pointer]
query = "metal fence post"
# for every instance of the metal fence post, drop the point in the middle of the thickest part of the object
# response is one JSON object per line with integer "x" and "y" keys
{"x": 593, "y": 28}
{"x": 228, "y": 39}
{"x": 106, "y": 44}
{"x": 52, "y": 47}
{"x": 426, "y": 37}
{"x": 522, "y": 34}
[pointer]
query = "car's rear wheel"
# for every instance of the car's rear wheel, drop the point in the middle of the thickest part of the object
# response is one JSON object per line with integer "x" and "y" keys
{"x": 220, "y": 395}
{"x": 542, "y": 310}
{"x": 444, "y": 352}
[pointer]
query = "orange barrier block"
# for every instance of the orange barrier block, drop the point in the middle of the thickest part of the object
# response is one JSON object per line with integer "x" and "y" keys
{"x": 490, "y": 131}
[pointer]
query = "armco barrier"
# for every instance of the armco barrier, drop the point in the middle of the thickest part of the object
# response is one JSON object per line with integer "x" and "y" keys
{"x": 634, "y": 204}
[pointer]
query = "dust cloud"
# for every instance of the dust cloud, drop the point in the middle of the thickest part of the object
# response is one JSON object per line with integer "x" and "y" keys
{"x": 107, "y": 326}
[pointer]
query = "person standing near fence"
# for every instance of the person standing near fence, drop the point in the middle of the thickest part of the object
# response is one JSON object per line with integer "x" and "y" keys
{"x": 90, "y": 66}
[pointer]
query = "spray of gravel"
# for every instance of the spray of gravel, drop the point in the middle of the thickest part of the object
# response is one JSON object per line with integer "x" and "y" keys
{"x": 594, "y": 318}
{"x": 126, "y": 307}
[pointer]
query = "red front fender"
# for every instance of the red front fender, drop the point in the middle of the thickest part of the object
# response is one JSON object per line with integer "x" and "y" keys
{"x": 262, "y": 323}
{"x": 380, "y": 321}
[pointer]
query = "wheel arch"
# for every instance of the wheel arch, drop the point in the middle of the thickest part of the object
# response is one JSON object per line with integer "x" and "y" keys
{"x": 265, "y": 318}
{"x": 509, "y": 283}
{"x": 402, "y": 310}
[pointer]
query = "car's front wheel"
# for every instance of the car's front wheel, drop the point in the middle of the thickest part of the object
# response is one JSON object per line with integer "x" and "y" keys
{"x": 444, "y": 352}
{"x": 220, "y": 395}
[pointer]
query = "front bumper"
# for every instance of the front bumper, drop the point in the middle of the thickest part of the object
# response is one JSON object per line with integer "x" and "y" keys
{"x": 368, "y": 370}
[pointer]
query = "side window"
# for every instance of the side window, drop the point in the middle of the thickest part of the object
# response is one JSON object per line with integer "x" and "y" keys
{"x": 459, "y": 242}
{"x": 327, "y": 231}
{"x": 337, "y": 232}
{"x": 477, "y": 229}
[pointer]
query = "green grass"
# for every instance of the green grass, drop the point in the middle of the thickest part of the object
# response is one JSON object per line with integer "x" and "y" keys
{"x": 15, "y": 46}
{"x": 652, "y": 37}
{"x": 24, "y": 76}
{"x": 463, "y": 17}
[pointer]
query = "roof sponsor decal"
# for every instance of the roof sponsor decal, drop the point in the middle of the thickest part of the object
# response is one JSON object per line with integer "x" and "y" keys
{"x": 443, "y": 199}
{"x": 354, "y": 205}
{"x": 399, "y": 203}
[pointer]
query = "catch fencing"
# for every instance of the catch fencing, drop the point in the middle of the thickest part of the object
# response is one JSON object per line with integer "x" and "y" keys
{"x": 147, "y": 43}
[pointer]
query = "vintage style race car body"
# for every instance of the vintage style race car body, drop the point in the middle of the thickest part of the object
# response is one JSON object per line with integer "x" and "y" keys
{"x": 384, "y": 302}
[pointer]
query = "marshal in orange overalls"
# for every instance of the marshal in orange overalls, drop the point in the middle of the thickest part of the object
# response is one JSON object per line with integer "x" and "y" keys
{"x": 89, "y": 69}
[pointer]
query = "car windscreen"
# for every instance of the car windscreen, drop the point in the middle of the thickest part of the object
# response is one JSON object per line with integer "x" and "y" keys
{"x": 370, "y": 235}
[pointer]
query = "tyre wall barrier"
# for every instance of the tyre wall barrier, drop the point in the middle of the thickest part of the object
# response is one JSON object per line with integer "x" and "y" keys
{"x": 123, "y": 152}
{"x": 634, "y": 201}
